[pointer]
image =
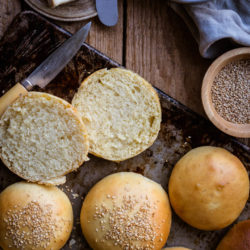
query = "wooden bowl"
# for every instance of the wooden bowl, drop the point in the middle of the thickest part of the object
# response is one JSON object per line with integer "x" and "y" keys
{"x": 237, "y": 130}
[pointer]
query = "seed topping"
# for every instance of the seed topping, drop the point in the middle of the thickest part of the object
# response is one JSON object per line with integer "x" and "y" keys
{"x": 129, "y": 222}
{"x": 30, "y": 226}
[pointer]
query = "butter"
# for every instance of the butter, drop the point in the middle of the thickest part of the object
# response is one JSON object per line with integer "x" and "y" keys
{"x": 54, "y": 3}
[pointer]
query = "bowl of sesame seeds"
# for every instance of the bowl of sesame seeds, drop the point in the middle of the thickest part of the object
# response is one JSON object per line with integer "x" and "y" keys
{"x": 226, "y": 92}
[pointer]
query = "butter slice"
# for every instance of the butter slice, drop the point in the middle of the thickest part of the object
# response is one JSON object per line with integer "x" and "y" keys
{"x": 54, "y": 3}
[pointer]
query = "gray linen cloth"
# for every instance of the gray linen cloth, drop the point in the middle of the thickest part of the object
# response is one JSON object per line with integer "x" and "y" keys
{"x": 217, "y": 25}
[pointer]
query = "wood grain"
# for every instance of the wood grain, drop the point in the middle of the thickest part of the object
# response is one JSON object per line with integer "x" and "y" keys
{"x": 72, "y": 11}
{"x": 160, "y": 48}
{"x": 108, "y": 40}
{"x": 8, "y": 10}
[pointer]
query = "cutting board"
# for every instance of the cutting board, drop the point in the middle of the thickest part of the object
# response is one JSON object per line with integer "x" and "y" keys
{"x": 27, "y": 42}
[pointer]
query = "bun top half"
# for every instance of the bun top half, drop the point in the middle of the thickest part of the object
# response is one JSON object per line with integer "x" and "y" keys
{"x": 121, "y": 111}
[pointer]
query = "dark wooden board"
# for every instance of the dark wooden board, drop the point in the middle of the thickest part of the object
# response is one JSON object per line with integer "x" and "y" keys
{"x": 27, "y": 42}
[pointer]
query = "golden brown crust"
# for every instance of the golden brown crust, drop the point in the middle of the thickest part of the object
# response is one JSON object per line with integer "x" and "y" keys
{"x": 208, "y": 188}
{"x": 238, "y": 237}
{"x": 33, "y": 216}
{"x": 126, "y": 209}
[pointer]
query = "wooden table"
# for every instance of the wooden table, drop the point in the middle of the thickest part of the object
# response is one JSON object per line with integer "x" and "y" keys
{"x": 149, "y": 39}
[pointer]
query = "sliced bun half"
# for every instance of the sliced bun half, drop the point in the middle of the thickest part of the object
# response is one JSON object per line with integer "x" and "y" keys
{"x": 121, "y": 111}
{"x": 42, "y": 138}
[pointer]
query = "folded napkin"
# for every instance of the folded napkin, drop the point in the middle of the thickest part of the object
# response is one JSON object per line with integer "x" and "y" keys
{"x": 217, "y": 25}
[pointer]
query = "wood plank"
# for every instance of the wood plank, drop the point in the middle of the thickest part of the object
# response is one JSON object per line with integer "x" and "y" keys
{"x": 8, "y": 10}
{"x": 160, "y": 48}
{"x": 108, "y": 40}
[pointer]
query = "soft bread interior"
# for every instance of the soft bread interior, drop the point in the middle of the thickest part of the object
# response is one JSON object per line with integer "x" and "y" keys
{"x": 121, "y": 112}
{"x": 42, "y": 138}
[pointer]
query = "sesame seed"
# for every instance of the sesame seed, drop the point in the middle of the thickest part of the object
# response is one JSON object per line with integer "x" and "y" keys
{"x": 128, "y": 221}
{"x": 231, "y": 92}
{"x": 74, "y": 195}
{"x": 30, "y": 225}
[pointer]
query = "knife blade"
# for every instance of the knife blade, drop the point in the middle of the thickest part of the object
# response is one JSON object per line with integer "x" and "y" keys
{"x": 48, "y": 69}
{"x": 107, "y": 11}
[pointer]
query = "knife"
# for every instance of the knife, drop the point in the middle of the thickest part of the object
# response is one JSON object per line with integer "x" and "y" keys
{"x": 48, "y": 69}
{"x": 107, "y": 11}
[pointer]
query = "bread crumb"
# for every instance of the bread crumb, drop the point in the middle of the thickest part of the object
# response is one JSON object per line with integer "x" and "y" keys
{"x": 72, "y": 242}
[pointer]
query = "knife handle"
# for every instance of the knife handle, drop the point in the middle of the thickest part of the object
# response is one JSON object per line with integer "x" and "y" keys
{"x": 10, "y": 96}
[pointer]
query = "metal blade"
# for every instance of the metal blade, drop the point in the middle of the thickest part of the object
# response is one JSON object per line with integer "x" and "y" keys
{"x": 56, "y": 61}
{"x": 107, "y": 11}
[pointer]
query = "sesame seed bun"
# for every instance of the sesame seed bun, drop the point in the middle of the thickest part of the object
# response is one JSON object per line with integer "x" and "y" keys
{"x": 238, "y": 237}
{"x": 208, "y": 188}
{"x": 126, "y": 211}
{"x": 34, "y": 216}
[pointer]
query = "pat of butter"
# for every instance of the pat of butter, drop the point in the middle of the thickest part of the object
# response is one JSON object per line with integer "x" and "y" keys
{"x": 54, "y": 3}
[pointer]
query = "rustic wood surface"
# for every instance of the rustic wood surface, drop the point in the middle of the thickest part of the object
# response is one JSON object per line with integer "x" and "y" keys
{"x": 72, "y": 11}
{"x": 8, "y": 10}
{"x": 149, "y": 39}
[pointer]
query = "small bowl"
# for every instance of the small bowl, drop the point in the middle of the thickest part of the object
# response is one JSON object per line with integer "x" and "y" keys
{"x": 237, "y": 130}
